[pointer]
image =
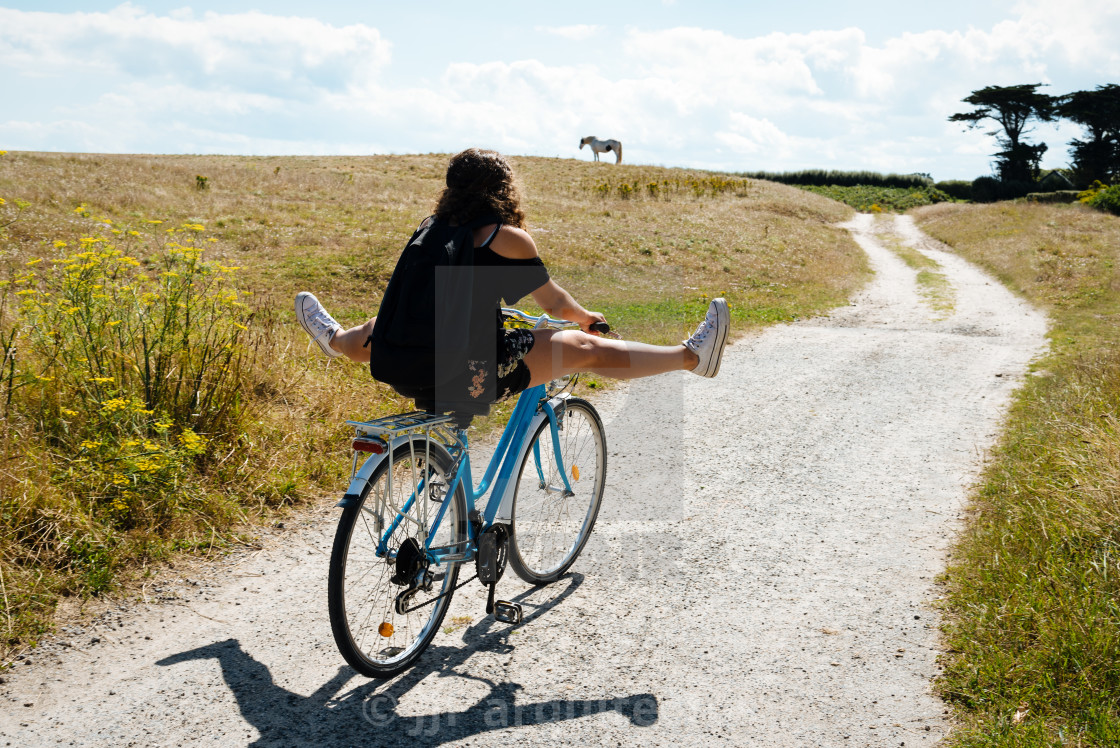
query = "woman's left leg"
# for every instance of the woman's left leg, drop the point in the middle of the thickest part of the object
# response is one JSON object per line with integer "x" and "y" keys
{"x": 556, "y": 353}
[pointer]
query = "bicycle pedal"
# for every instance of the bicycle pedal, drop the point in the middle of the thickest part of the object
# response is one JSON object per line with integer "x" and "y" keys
{"x": 507, "y": 612}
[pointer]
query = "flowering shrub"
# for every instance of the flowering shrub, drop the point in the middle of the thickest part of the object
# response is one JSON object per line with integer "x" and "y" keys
{"x": 124, "y": 350}
{"x": 1102, "y": 197}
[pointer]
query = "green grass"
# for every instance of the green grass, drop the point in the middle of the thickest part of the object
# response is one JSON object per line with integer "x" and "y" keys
{"x": 874, "y": 199}
{"x": 1034, "y": 583}
{"x": 933, "y": 286}
{"x": 823, "y": 178}
{"x": 78, "y": 521}
{"x": 937, "y": 292}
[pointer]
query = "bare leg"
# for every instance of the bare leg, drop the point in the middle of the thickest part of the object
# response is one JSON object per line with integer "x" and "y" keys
{"x": 352, "y": 343}
{"x": 556, "y": 353}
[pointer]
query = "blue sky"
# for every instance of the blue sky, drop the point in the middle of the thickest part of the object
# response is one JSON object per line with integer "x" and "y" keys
{"x": 721, "y": 85}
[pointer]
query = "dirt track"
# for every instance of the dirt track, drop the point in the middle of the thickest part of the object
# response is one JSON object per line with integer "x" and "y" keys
{"x": 762, "y": 572}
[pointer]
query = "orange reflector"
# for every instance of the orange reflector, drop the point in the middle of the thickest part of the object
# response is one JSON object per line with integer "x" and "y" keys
{"x": 575, "y": 471}
{"x": 385, "y": 629}
{"x": 368, "y": 445}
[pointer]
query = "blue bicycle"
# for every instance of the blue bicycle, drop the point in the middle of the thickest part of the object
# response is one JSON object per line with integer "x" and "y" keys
{"x": 413, "y": 517}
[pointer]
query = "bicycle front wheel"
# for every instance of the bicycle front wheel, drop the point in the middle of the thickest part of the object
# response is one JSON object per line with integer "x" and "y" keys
{"x": 551, "y": 523}
{"x": 373, "y": 637}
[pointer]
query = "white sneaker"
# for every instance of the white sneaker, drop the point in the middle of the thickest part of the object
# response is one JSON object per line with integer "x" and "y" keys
{"x": 315, "y": 320}
{"x": 710, "y": 338}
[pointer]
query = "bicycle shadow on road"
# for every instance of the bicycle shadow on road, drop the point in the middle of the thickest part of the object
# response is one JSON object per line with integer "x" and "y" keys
{"x": 283, "y": 717}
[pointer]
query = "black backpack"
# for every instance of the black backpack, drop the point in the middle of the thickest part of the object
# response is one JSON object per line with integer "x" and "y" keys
{"x": 429, "y": 327}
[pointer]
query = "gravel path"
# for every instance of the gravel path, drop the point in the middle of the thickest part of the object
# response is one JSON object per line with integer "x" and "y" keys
{"x": 762, "y": 572}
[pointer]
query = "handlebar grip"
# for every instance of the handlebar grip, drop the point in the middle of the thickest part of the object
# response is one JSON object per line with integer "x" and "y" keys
{"x": 600, "y": 327}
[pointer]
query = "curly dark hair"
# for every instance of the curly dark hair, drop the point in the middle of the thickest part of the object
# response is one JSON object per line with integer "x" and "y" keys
{"x": 479, "y": 183}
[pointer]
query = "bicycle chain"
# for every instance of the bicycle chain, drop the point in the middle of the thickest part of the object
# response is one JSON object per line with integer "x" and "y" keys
{"x": 445, "y": 594}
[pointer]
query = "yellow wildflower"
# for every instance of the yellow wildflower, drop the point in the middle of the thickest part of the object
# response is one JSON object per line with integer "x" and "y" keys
{"x": 69, "y": 413}
{"x": 192, "y": 442}
{"x": 112, "y": 406}
{"x": 87, "y": 444}
{"x": 59, "y": 244}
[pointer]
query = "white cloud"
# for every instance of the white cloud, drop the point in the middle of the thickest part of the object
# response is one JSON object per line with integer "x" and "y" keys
{"x": 258, "y": 83}
{"x": 577, "y": 33}
{"x": 283, "y": 56}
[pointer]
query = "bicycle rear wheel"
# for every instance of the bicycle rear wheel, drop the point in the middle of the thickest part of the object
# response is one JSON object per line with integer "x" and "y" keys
{"x": 550, "y": 524}
{"x": 372, "y": 636}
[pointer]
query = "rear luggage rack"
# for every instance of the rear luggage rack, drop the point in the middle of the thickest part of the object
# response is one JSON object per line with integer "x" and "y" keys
{"x": 398, "y": 425}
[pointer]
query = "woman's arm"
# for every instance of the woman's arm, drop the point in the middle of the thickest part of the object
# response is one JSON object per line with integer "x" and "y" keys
{"x": 559, "y": 303}
{"x": 516, "y": 244}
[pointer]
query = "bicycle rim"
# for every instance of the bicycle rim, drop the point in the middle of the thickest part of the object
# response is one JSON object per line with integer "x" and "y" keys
{"x": 373, "y": 638}
{"x": 551, "y": 524}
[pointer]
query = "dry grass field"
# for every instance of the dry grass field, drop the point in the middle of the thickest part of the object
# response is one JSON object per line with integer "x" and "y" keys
{"x": 1034, "y": 583}
{"x": 104, "y": 478}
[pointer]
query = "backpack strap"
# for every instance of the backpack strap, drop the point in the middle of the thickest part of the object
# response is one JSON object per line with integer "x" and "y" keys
{"x": 485, "y": 221}
{"x": 486, "y": 244}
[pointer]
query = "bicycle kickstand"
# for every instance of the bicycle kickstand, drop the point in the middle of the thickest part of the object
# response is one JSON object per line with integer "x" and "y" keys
{"x": 491, "y": 564}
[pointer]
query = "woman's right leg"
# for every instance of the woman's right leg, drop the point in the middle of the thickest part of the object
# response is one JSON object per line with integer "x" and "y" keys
{"x": 352, "y": 343}
{"x": 328, "y": 334}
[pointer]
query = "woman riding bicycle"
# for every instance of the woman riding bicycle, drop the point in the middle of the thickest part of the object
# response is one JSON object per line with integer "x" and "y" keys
{"x": 481, "y": 183}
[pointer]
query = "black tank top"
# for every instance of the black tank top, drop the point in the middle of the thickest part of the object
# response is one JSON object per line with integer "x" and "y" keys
{"x": 500, "y": 278}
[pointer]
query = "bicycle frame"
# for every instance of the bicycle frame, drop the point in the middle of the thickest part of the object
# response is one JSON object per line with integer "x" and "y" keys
{"x": 533, "y": 406}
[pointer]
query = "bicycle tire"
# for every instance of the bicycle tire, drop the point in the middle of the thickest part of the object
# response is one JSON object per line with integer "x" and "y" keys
{"x": 549, "y": 529}
{"x": 359, "y": 586}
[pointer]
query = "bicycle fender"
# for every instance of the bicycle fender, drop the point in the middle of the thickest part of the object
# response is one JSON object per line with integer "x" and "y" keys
{"x": 505, "y": 507}
{"x": 362, "y": 477}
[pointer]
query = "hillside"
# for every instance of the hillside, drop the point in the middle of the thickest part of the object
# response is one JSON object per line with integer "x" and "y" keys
{"x": 103, "y": 480}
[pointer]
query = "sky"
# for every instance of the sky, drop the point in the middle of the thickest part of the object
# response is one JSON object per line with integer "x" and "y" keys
{"x": 732, "y": 86}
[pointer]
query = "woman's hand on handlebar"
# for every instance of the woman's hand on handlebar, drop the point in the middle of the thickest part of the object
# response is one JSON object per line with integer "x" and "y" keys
{"x": 595, "y": 324}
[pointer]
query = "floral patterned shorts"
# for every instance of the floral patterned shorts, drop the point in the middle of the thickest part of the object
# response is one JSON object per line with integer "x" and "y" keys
{"x": 513, "y": 374}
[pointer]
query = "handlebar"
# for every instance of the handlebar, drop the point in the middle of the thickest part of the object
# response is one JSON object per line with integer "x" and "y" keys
{"x": 544, "y": 320}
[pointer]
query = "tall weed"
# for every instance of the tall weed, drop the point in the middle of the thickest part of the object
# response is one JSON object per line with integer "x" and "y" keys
{"x": 124, "y": 359}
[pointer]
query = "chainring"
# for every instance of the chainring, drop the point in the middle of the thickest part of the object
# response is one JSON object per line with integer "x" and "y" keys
{"x": 490, "y": 561}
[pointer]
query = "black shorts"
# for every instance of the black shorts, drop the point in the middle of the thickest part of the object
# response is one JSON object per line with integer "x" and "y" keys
{"x": 513, "y": 374}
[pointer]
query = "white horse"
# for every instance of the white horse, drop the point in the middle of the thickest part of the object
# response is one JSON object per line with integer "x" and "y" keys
{"x": 603, "y": 146}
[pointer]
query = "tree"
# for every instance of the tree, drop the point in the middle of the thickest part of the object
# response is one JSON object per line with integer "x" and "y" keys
{"x": 1013, "y": 107}
{"x": 1098, "y": 111}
